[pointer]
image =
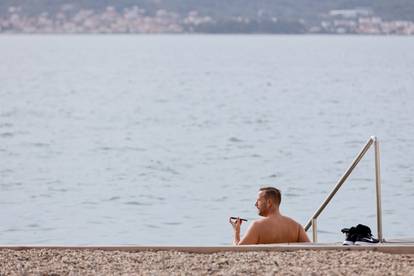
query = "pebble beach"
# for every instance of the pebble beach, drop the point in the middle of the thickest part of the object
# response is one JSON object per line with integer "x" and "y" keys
{"x": 302, "y": 262}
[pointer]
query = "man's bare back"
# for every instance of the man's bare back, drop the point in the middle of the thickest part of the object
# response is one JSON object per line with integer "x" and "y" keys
{"x": 273, "y": 227}
{"x": 278, "y": 229}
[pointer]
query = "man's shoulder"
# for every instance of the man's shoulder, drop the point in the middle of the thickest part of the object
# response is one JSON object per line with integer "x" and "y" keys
{"x": 263, "y": 222}
{"x": 259, "y": 222}
{"x": 291, "y": 221}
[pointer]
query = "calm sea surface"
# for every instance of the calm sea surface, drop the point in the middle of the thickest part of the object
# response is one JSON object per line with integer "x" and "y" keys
{"x": 159, "y": 139}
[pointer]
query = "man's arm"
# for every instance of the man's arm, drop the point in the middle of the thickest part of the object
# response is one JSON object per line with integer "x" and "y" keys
{"x": 236, "y": 228}
{"x": 251, "y": 236}
{"x": 302, "y": 235}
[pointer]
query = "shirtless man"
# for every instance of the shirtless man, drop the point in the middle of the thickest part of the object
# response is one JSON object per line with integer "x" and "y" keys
{"x": 273, "y": 227}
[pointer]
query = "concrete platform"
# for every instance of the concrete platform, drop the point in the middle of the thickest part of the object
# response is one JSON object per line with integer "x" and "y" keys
{"x": 394, "y": 247}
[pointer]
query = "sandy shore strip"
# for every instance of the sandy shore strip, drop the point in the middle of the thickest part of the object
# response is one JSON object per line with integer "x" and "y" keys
{"x": 302, "y": 262}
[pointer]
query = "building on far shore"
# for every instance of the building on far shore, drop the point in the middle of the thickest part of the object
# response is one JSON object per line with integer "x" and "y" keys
{"x": 362, "y": 21}
{"x": 137, "y": 20}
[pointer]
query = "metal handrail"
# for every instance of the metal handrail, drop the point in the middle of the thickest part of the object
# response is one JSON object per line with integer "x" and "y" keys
{"x": 313, "y": 220}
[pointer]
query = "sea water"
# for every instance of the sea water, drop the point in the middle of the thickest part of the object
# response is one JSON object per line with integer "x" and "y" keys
{"x": 158, "y": 139}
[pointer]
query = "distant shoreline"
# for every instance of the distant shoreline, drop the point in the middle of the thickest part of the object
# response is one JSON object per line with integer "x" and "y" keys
{"x": 136, "y": 21}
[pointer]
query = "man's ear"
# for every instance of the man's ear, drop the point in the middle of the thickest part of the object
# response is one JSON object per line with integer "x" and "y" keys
{"x": 269, "y": 203}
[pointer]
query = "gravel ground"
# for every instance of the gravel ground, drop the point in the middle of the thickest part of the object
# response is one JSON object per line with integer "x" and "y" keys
{"x": 305, "y": 262}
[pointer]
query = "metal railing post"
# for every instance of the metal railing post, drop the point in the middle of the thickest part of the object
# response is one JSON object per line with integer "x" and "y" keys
{"x": 314, "y": 230}
{"x": 340, "y": 182}
{"x": 378, "y": 189}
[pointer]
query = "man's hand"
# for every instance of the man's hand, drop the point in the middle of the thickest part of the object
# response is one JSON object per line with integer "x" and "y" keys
{"x": 236, "y": 224}
{"x": 236, "y": 227}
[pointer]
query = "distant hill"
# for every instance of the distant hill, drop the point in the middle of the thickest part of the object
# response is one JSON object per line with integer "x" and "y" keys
{"x": 309, "y": 10}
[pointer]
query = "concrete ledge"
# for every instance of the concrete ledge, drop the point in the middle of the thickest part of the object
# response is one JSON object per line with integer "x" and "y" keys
{"x": 401, "y": 248}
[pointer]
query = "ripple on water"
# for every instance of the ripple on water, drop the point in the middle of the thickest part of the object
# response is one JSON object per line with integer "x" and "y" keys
{"x": 113, "y": 198}
{"x": 242, "y": 146}
{"x": 389, "y": 212}
{"x": 95, "y": 222}
{"x": 220, "y": 199}
{"x": 7, "y": 114}
{"x": 151, "y": 226}
{"x": 149, "y": 196}
{"x": 403, "y": 166}
{"x": 165, "y": 169}
{"x": 288, "y": 194}
{"x": 326, "y": 232}
{"x": 363, "y": 179}
{"x": 87, "y": 202}
{"x": 6, "y": 125}
{"x": 172, "y": 223}
{"x": 11, "y": 184}
{"x": 48, "y": 229}
{"x": 45, "y": 195}
{"x": 137, "y": 203}
{"x": 120, "y": 149}
{"x": 235, "y": 140}
{"x": 6, "y": 134}
{"x": 353, "y": 142}
{"x": 61, "y": 190}
{"x": 39, "y": 145}
{"x": 407, "y": 179}
{"x": 11, "y": 230}
{"x": 105, "y": 148}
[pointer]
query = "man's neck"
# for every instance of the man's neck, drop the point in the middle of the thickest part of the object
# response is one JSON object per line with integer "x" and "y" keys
{"x": 273, "y": 213}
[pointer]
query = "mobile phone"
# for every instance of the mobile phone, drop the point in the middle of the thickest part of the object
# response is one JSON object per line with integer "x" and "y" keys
{"x": 239, "y": 218}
